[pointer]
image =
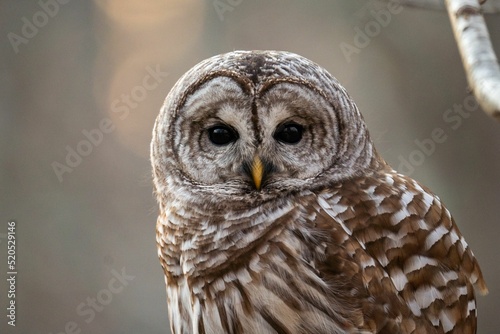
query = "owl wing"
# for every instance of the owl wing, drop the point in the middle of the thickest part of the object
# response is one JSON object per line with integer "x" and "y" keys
{"x": 411, "y": 266}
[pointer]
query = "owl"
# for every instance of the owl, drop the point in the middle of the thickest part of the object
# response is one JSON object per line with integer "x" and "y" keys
{"x": 277, "y": 214}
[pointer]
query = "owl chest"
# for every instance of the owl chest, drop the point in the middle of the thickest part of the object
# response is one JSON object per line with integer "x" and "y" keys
{"x": 266, "y": 294}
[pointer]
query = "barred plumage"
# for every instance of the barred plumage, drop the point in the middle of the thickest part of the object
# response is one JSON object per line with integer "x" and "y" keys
{"x": 322, "y": 237}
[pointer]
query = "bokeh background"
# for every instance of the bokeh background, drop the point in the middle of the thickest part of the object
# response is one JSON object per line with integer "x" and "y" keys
{"x": 68, "y": 68}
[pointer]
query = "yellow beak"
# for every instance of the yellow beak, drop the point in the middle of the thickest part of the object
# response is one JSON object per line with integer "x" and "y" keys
{"x": 257, "y": 171}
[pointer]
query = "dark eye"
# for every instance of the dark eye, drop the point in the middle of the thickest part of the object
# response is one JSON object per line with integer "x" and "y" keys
{"x": 289, "y": 133}
{"x": 222, "y": 135}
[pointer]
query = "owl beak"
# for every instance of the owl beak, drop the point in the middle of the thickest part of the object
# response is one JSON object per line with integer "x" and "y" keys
{"x": 257, "y": 171}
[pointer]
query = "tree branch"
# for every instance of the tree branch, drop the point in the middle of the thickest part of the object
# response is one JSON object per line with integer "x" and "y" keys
{"x": 474, "y": 43}
{"x": 478, "y": 57}
{"x": 488, "y": 7}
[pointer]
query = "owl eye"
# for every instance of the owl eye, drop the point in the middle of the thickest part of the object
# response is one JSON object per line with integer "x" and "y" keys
{"x": 222, "y": 135}
{"x": 289, "y": 133}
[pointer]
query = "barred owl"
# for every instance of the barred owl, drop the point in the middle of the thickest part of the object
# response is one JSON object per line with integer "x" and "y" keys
{"x": 277, "y": 215}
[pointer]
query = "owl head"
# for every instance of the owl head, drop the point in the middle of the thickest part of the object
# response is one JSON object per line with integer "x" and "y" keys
{"x": 253, "y": 125}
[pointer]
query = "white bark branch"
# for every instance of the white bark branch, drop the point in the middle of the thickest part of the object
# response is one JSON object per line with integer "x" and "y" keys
{"x": 478, "y": 57}
{"x": 474, "y": 43}
{"x": 488, "y": 7}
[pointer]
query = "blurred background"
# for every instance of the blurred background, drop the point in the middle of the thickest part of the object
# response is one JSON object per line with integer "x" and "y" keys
{"x": 81, "y": 83}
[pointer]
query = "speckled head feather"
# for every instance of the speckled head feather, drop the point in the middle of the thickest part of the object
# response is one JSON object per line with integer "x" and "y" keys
{"x": 256, "y": 73}
{"x": 278, "y": 216}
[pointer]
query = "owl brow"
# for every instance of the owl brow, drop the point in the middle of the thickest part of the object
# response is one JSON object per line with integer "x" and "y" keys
{"x": 245, "y": 84}
{"x": 266, "y": 86}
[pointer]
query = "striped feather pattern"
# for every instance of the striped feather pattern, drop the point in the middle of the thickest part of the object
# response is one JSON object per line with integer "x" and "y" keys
{"x": 377, "y": 254}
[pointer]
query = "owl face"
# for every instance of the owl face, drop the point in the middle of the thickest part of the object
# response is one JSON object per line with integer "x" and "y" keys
{"x": 257, "y": 124}
{"x": 228, "y": 137}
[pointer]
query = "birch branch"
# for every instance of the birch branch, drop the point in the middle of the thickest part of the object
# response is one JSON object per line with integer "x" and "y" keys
{"x": 474, "y": 43}
{"x": 488, "y": 7}
{"x": 478, "y": 57}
